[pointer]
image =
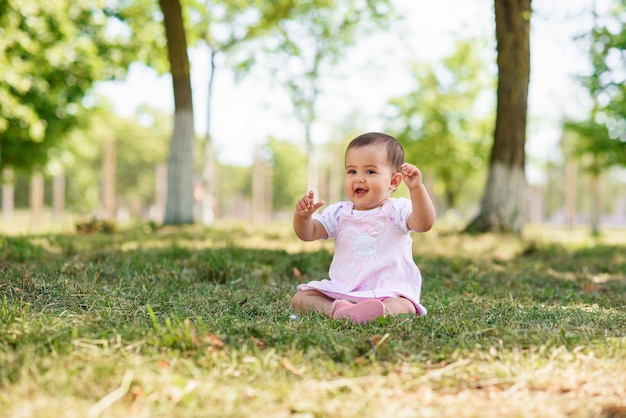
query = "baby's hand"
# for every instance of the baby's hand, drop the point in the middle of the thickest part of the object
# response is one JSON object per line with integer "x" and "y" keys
{"x": 412, "y": 175}
{"x": 307, "y": 205}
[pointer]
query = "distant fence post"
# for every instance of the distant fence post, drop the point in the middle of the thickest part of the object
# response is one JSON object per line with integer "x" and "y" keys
{"x": 58, "y": 196}
{"x": 160, "y": 192}
{"x": 261, "y": 190}
{"x": 36, "y": 196}
{"x": 571, "y": 170}
{"x": 8, "y": 195}
{"x": 108, "y": 174}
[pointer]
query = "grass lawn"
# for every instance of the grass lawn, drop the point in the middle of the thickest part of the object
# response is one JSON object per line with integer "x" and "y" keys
{"x": 193, "y": 322}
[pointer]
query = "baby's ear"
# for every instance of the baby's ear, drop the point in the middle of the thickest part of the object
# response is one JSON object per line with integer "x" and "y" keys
{"x": 396, "y": 179}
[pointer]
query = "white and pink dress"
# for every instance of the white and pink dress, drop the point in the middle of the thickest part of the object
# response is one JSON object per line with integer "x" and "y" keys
{"x": 373, "y": 256}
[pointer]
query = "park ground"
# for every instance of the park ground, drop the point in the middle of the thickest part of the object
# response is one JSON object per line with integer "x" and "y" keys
{"x": 152, "y": 321}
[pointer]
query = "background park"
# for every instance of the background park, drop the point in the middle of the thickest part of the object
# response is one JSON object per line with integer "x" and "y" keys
{"x": 151, "y": 155}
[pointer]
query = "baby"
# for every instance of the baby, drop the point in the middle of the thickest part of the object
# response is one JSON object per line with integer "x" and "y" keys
{"x": 372, "y": 273}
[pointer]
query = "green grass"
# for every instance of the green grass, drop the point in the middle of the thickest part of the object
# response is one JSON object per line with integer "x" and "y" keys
{"x": 196, "y": 323}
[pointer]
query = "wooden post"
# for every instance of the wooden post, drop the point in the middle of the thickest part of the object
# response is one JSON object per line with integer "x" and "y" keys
{"x": 108, "y": 174}
{"x": 58, "y": 196}
{"x": 36, "y": 196}
{"x": 161, "y": 192}
{"x": 335, "y": 186}
{"x": 570, "y": 193}
{"x": 258, "y": 189}
{"x": 8, "y": 193}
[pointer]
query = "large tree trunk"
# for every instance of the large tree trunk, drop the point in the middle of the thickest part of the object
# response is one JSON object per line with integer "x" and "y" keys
{"x": 180, "y": 171}
{"x": 502, "y": 207}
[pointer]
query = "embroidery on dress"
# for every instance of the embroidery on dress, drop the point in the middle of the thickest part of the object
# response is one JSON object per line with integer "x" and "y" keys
{"x": 366, "y": 243}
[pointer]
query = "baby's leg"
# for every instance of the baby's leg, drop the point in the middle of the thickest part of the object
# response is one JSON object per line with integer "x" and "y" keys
{"x": 396, "y": 306}
{"x": 311, "y": 300}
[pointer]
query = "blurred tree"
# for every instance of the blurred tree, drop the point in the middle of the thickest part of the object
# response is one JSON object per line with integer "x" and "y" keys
{"x": 289, "y": 177}
{"x": 232, "y": 27}
{"x": 599, "y": 142}
{"x": 228, "y": 27}
{"x": 591, "y": 147}
{"x": 441, "y": 121}
{"x": 605, "y": 132}
{"x": 51, "y": 54}
{"x": 502, "y": 205}
{"x": 235, "y": 193}
{"x": 162, "y": 41}
{"x": 309, "y": 44}
{"x": 180, "y": 165}
{"x": 140, "y": 142}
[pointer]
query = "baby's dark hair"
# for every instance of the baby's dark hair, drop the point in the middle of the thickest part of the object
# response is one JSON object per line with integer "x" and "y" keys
{"x": 395, "y": 152}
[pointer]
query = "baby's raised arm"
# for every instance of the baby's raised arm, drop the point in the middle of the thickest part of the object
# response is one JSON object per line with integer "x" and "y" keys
{"x": 423, "y": 216}
{"x": 305, "y": 227}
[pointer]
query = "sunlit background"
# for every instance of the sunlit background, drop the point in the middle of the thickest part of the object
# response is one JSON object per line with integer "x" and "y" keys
{"x": 251, "y": 110}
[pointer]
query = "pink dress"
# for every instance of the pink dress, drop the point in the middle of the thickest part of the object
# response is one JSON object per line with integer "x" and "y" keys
{"x": 373, "y": 254}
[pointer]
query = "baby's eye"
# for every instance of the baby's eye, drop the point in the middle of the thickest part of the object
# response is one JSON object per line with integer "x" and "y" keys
{"x": 351, "y": 172}
{"x": 371, "y": 171}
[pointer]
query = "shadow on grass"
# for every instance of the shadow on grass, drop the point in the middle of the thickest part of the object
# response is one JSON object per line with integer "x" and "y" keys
{"x": 187, "y": 289}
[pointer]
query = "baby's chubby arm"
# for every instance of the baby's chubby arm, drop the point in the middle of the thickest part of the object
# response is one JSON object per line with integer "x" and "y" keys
{"x": 423, "y": 216}
{"x": 305, "y": 227}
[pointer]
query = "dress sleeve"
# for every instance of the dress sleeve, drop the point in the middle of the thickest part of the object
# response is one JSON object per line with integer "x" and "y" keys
{"x": 330, "y": 218}
{"x": 401, "y": 209}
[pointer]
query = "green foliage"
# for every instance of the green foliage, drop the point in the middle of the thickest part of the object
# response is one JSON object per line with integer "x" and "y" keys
{"x": 592, "y": 139}
{"x": 603, "y": 135}
{"x": 288, "y": 173}
{"x": 51, "y": 54}
{"x": 140, "y": 22}
{"x": 19, "y": 249}
{"x": 140, "y": 144}
{"x": 308, "y": 44}
{"x": 234, "y": 185}
{"x": 443, "y": 124}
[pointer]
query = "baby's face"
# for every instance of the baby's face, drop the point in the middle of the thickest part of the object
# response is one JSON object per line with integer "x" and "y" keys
{"x": 369, "y": 178}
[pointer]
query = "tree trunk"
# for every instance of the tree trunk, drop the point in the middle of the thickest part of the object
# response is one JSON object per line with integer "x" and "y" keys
{"x": 180, "y": 171}
{"x": 502, "y": 206}
{"x": 208, "y": 170}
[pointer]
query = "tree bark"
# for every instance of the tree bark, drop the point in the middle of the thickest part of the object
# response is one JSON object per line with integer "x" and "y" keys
{"x": 180, "y": 172}
{"x": 502, "y": 206}
{"x": 208, "y": 168}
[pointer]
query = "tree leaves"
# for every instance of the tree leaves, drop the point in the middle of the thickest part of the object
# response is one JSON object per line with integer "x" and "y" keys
{"x": 51, "y": 54}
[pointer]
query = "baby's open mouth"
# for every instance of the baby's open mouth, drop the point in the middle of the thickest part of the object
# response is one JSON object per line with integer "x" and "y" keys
{"x": 360, "y": 190}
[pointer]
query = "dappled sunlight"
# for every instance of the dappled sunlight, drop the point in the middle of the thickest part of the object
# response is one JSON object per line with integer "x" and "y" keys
{"x": 579, "y": 236}
{"x": 170, "y": 321}
{"x": 597, "y": 278}
{"x": 481, "y": 246}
